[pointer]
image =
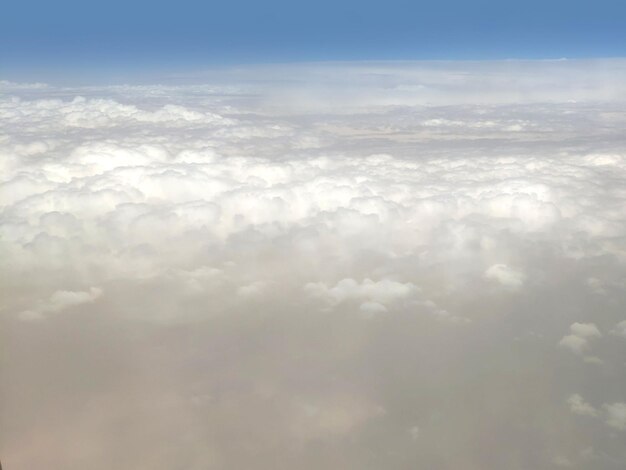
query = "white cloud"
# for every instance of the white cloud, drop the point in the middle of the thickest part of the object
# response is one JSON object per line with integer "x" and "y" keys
{"x": 616, "y": 415}
{"x": 581, "y": 334}
{"x": 580, "y": 407}
{"x": 505, "y": 275}
{"x": 253, "y": 290}
{"x": 59, "y": 301}
{"x": 97, "y": 113}
{"x": 613, "y": 414}
{"x": 221, "y": 218}
{"x": 375, "y": 295}
{"x": 574, "y": 343}
{"x": 585, "y": 330}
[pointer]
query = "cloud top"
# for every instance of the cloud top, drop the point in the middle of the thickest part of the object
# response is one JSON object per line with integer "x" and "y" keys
{"x": 354, "y": 266}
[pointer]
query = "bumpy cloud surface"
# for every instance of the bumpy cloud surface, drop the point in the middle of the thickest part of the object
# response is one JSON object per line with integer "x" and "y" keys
{"x": 357, "y": 266}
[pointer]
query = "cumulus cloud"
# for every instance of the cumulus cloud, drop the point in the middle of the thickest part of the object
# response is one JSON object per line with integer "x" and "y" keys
{"x": 60, "y": 301}
{"x": 342, "y": 268}
{"x": 505, "y": 275}
{"x": 580, "y": 407}
{"x": 613, "y": 414}
{"x": 616, "y": 415}
{"x": 374, "y": 295}
{"x": 94, "y": 113}
{"x": 581, "y": 334}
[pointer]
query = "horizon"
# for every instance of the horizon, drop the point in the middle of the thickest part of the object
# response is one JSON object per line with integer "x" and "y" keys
{"x": 86, "y": 76}
{"x": 123, "y": 36}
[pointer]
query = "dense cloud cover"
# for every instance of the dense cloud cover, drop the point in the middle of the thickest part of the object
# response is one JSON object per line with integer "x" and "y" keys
{"x": 337, "y": 266}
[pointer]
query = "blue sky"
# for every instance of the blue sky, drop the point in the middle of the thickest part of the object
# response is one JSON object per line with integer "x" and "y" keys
{"x": 145, "y": 33}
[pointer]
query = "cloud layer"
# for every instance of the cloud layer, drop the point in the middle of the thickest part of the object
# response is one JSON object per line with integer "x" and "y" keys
{"x": 381, "y": 266}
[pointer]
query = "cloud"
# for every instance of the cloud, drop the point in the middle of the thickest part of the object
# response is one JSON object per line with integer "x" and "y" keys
{"x": 384, "y": 291}
{"x": 581, "y": 334}
{"x": 616, "y": 415}
{"x": 580, "y": 407}
{"x": 620, "y": 329}
{"x": 290, "y": 266}
{"x": 505, "y": 275}
{"x": 95, "y": 113}
{"x": 613, "y": 414}
{"x": 60, "y": 301}
{"x": 253, "y": 290}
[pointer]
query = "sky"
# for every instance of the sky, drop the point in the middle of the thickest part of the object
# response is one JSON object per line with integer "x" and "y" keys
{"x": 282, "y": 236}
{"x": 132, "y": 35}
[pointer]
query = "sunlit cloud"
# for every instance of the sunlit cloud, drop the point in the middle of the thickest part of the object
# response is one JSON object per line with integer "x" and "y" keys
{"x": 356, "y": 266}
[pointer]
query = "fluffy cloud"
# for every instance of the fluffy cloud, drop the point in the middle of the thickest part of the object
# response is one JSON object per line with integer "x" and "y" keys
{"x": 613, "y": 414}
{"x": 581, "y": 334}
{"x": 96, "y": 113}
{"x": 580, "y": 407}
{"x": 374, "y": 295}
{"x": 505, "y": 275}
{"x": 616, "y": 415}
{"x": 292, "y": 274}
{"x": 60, "y": 301}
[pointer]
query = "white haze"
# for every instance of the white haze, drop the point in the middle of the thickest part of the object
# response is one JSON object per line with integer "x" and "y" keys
{"x": 317, "y": 266}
